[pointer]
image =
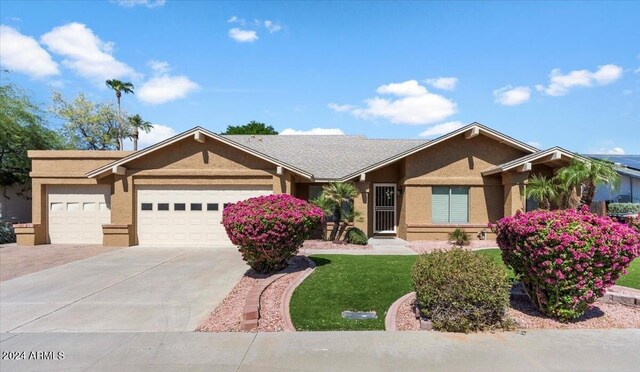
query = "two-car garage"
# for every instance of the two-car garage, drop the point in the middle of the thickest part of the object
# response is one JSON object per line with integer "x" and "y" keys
{"x": 165, "y": 215}
{"x": 189, "y": 216}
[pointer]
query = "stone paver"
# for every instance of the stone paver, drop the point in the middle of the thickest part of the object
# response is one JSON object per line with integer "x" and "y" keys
{"x": 540, "y": 350}
{"x": 16, "y": 261}
{"x": 137, "y": 289}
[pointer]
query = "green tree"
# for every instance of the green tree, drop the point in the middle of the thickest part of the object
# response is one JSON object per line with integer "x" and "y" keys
{"x": 137, "y": 123}
{"x": 337, "y": 200}
{"x": 544, "y": 190}
{"x": 87, "y": 125}
{"x": 120, "y": 87}
{"x": 582, "y": 177}
{"x": 252, "y": 127}
{"x": 22, "y": 128}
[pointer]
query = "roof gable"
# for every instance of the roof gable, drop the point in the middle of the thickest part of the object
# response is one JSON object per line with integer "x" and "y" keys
{"x": 198, "y": 134}
{"x": 551, "y": 154}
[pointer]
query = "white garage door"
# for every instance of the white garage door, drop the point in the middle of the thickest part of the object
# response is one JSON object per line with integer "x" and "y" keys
{"x": 76, "y": 213}
{"x": 188, "y": 216}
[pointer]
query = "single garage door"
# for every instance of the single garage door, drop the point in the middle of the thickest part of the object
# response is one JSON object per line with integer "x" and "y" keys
{"x": 188, "y": 216}
{"x": 76, "y": 213}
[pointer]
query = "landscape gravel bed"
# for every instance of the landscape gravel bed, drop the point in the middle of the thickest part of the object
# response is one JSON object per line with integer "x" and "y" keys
{"x": 428, "y": 246}
{"x": 271, "y": 318}
{"x": 323, "y": 244}
{"x": 406, "y": 318}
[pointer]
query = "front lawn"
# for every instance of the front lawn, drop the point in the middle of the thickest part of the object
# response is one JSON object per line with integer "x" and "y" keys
{"x": 345, "y": 282}
{"x": 365, "y": 283}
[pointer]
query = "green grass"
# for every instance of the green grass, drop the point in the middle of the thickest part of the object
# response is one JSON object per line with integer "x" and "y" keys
{"x": 345, "y": 282}
{"x": 365, "y": 283}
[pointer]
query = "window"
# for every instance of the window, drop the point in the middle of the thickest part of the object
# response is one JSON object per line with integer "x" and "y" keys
{"x": 179, "y": 207}
{"x": 212, "y": 206}
{"x": 146, "y": 207}
{"x": 196, "y": 206}
{"x": 314, "y": 192}
{"x": 88, "y": 206}
{"x": 450, "y": 204}
{"x": 163, "y": 206}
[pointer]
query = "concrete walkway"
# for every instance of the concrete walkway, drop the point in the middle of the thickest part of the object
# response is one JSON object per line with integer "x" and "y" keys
{"x": 542, "y": 350}
{"x": 136, "y": 289}
{"x": 381, "y": 246}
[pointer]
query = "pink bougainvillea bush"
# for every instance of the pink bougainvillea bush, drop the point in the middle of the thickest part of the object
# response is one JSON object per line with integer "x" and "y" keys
{"x": 269, "y": 230}
{"x": 567, "y": 258}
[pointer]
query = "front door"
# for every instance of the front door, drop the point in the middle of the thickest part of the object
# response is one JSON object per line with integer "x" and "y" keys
{"x": 384, "y": 208}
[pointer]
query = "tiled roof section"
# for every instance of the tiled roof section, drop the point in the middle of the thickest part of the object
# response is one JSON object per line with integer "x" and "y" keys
{"x": 327, "y": 157}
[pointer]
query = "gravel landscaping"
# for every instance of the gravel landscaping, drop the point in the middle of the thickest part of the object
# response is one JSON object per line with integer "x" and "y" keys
{"x": 227, "y": 317}
{"x": 428, "y": 246}
{"x": 602, "y": 315}
{"x": 323, "y": 244}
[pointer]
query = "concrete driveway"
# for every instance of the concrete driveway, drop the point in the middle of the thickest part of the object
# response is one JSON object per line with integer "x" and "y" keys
{"x": 136, "y": 289}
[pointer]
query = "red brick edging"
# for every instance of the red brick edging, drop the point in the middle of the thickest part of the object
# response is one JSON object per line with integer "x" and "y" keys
{"x": 251, "y": 310}
{"x": 392, "y": 314}
{"x": 286, "y": 296}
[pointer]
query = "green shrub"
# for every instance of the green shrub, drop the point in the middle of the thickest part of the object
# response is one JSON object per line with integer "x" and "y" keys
{"x": 615, "y": 208}
{"x": 356, "y": 236}
{"x": 7, "y": 233}
{"x": 461, "y": 291}
{"x": 459, "y": 237}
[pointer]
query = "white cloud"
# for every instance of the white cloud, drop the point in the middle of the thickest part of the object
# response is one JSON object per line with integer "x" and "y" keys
{"x": 235, "y": 19}
{"x": 159, "y": 67}
{"x": 85, "y": 53}
{"x": 243, "y": 36}
{"x": 512, "y": 96}
{"x": 534, "y": 144}
{"x": 613, "y": 151}
{"x": 313, "y": 132}
{"x": 445, "y": 83}
{"x": 272, "y": 26}
{"x": 133, "y": 3}
{"x": 559, "y": 84}
{"x": 23, "y": 54}
{"x": 158, "y": 133}
{"x": 440, "y": 129}
{"x": 415, "y": 105}
{"x": 407, "y": 88}
{"x": 165, "y": 88}
{"x": 340, "y": 108}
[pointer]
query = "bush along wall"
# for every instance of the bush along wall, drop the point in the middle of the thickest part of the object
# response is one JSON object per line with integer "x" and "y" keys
{"x": 566, "y": 259}
{"x": 620, "y": 208}
{"x": 269, "y": 230}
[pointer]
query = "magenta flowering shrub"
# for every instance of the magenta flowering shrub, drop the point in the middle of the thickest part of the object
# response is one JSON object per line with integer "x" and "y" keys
{"x": 566, "y": 258}
{"x": 269, "y": 230}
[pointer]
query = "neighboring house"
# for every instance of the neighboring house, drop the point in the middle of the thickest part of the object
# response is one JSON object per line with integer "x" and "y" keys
{"x": 14, "y": 205}
{"x": 174, "y": 192}
{"x": 628, "y": 167}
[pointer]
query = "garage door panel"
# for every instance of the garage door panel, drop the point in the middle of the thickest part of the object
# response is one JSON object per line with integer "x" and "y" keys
{"x": 76, "y": 213}
{"x": 197, "y": 225}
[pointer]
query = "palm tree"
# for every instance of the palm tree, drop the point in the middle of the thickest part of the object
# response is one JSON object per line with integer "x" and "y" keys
{"x": 138, "y": 124}
{"x": 582, "y": 177}
{"x": 119, "y": 87}
{"x": 543, "y": 190}
{"x": 341, "y": 194}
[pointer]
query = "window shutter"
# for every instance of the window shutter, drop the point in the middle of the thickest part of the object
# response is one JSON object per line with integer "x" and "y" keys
{"x": 459, "y": 204}
{"x": 439, "y": 204}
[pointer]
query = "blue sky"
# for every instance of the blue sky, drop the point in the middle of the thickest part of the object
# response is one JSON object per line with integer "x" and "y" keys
{"x": 564, "y": 74}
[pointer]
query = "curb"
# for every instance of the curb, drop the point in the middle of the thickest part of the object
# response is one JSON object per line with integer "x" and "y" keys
{"x": 286, "y": 296}
{"x": 392, "y": 314}
{"x": 251, "y": 310}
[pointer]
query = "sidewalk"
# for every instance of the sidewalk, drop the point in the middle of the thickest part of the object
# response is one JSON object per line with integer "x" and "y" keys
{"x": 539, "y": 350}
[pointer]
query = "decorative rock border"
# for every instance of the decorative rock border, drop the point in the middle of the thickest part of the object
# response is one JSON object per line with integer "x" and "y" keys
{"x": 518, "y": 293}
{"x": 286, "y": 296}
{"x": 251, "y": 310}
{"x": 392, "y": 315}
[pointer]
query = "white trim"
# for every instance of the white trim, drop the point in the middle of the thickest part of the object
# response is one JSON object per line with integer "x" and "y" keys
{"x": 474, "y": 132}
{"x": 198, "y": 136}
{"x": 138, "y": 154}
{"x": 526, "y": 167}
{"x": 279, "y": 170}
{"x": 363, "y": 177}
{"x": 119, "y": 170}
{"x": 395, "y": 207}
{"x": 503, "y": 138}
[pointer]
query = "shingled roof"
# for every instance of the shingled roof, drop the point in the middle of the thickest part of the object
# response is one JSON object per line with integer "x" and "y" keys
{"x": 327, "y": 157}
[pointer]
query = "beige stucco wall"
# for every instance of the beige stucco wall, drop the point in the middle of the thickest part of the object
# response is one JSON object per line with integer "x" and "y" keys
{"x": 457, "y": 162}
